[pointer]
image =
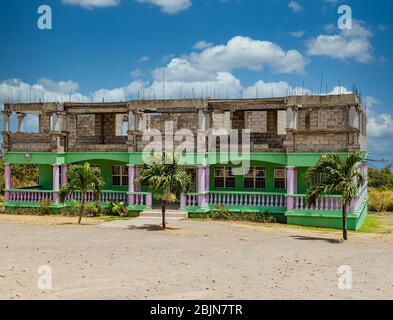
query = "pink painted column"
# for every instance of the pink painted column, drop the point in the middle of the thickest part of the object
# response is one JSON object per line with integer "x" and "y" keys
{"x": 64, "y": 177}
{"x": 137, "y": 187}
{"x": 7, "y": 180}
{"x": 291, "y": 187}
{"x": 149, "y": 200}
{"x": 56, "y": 182}
{"x": 183, "y": 201}
{"x": 202, "y": 170}
{"x": 131, "y": 185}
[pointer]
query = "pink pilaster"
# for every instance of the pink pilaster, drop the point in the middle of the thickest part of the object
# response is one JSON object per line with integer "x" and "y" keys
{"x": 131, "y": 184}
{"x": 56, "y": 182}
{"x": 291, "y": 187}
{"x": 7, "y": 180}
{"x": 202, "y": 170}
{"x": 64, "y": 177}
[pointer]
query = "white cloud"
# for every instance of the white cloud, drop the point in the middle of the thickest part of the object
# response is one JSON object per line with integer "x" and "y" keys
{"x": 137, "y": 73}
{"x": 239, "y": 52}
{"x": 144, "y": 59}
{"x": 202, "y": 45}
{"x": 297, "y": 34}
{"x": 169, "y": 6}
{"x": 45, "y": 90}
{"x": 380, "y": 133}
{"x": 295, "y": 6}
{"x": 65, "y": 87}
{"x": 93, "y": 3}
{"x": 348, "y": 44}
{"x": 383, "y": 27}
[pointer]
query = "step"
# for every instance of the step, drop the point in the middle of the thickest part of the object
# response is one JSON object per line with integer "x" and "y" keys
{"x": 153, "y": 213}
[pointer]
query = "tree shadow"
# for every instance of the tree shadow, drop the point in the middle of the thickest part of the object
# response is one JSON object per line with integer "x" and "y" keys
{"x": 150, "y": 227}
{"x": 308, "y": 238}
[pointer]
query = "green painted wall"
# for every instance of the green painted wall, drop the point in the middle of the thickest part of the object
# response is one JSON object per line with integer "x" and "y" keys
{"x": 45, "y": 176}
{"x": 239, "y": 185}
{"x": 106, "y": 172}
{"x": 302, "y": 185}
{"x": 281, "y": 158}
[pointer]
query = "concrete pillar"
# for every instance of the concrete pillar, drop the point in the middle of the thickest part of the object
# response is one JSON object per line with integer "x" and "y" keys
{"x": 21, "y": 121}
{"x": 6, "y": 121}
{"x": 56, "y": 182}
{"x": 291, "y": 187}
{"x": 64, "y": 177}
{"x": 131, "y": 121}
{"x": 7, "y": 180}
{"x": 58, "y": 122}
{"x": 131, "y": 185}
{"x": 202, "y": 199}
{"x": 201, "y": 120}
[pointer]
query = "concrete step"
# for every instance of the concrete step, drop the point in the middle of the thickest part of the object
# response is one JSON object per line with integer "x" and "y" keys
{"x": 154, "y": 213}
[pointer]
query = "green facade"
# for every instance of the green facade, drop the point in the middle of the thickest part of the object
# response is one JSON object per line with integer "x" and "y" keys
{"x": 269, "y": 161}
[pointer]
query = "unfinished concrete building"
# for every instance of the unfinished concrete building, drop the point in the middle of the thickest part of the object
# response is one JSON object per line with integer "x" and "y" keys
{"x": 287, "y": 135}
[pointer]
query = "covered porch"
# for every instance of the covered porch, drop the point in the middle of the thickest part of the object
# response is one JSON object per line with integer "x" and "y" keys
{"x": 119, "y": 187}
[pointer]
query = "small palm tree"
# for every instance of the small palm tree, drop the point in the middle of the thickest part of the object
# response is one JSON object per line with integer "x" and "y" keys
{"x": 82, "y": 178}
{"x": 168, "y": 179}
{"x": 334, "y": 174}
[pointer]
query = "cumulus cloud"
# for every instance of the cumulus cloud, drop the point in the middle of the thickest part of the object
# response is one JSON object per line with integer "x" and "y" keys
{"x": 44, "y": 89}
{"x": 295, "y": 6}
{"x": 297, "y": 34}
{"x": 169, "y": 6}
{"x": 348, "y": 44}
{"x": 239, "y": 52}
{"x": 93, "y": 3}
{"x": 202, "y": 45}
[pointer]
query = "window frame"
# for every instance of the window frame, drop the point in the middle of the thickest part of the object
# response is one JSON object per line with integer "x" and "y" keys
{"x": 228, "y": 179}
{"x": 280, "y": 183}
{"x": 255, "y": 177}
{"x": 121, "y": 175}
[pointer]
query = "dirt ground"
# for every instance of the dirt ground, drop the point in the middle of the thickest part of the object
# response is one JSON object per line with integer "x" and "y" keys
{"x": 191, "y": 260}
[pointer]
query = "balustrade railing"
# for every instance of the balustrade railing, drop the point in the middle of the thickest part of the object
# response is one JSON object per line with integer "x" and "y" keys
{"x": 33, "y": 195}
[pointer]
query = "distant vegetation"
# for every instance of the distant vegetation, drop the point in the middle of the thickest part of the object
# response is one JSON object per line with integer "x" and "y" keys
{"x": 381, "y": 189}
{"x": 381, "y": 179}
{"x": 22, "y": 175}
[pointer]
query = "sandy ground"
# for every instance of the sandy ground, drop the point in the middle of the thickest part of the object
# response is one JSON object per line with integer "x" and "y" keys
{"x": 192, "y": 260}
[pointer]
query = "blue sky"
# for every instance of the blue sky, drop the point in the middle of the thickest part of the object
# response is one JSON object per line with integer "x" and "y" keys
{"x": 117, "y": 49}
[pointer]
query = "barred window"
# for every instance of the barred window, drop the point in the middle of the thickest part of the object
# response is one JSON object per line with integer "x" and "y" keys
{"x": 119, "y": 176}
{"x": 279, "y": 178}
{"x": 223, "y": 177}
{"x": 255, "y": 179}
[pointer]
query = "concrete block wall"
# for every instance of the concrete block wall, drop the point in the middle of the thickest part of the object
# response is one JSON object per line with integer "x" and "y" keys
{"x": 324, "y": 123}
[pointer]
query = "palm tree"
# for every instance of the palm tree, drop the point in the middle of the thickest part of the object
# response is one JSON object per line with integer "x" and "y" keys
{"x": 168, "y": 179}
{"x": 333, "y": 174}
{"x": 82, "y": 178}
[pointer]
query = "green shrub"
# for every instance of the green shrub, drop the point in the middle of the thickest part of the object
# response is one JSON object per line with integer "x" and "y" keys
{"x": 93, "y": 209}
{"x": 220, "y": 213}
{"x": 45, "y": 206}
{"x": 115, "y": 209}
{"x": 380, "y": 200}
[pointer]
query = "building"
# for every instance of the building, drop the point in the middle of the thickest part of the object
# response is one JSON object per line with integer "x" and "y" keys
{"x": 287, "y": 135}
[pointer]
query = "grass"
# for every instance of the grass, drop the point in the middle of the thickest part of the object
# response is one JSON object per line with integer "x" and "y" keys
{"x": 376, "y": 223}
{"x": 111, "y": 218}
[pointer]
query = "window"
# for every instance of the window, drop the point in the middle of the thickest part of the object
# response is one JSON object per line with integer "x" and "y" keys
{"x": 279, "y": 178}
{"x": 223, "y": 177}
{"x": 119, "y": 175}
{"x": 255, "y": 179}
{"x": 193, "y": 174}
